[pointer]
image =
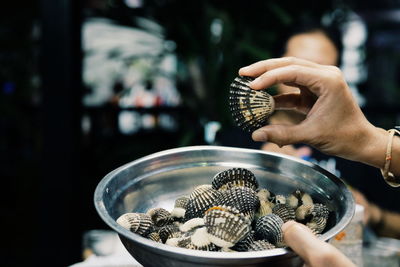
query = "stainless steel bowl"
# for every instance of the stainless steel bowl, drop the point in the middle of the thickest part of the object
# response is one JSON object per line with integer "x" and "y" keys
{"x": 158, "y": 179}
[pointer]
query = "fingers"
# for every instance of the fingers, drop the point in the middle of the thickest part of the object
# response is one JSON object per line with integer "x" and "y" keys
{"x": 258, "y": 68}
{"x": 281, "y": 134}
{"x": 301, "y": 76}
{"x": 312, "y": 250}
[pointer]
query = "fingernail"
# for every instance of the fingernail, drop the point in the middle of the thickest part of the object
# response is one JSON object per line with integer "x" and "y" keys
{"x": 244, "y": 69}
{"x": 287, "y": 225}
{"x": 259, "y": 135}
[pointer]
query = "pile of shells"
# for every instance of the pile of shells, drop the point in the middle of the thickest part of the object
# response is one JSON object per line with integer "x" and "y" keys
{"x": 230, "y": 214}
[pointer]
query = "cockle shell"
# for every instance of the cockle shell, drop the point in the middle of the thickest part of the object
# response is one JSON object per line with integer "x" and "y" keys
{"x": 200, "y": 240}
{"x": 191, "y": 224}
{"x": 159, "y": 216}
{"x": 264, "y": 209}
{"x": 250, "y": 108}
{"x": 263, "y": 194}
{"x": 169, "y": 231}
{"x": 298, "y": 198}
{"x": 320, "y": 214}
{"x": 155, "y": 236}
{"x": 259, "y": 245}
{"x": 179, "y": 209}
{"x": 303, "y": 211}
{"x": 234, "y": 177}
{"x": 269, "y": 228}
{"x": 244, "y": 244}
{"x": 284, "y": 211}
{"x": 242, "y": 198}
{"x": 200, "y": 200}
{"x": 277, "y": 199}
{"x": 226, "y": 225}
{"x": 139, "y": 223}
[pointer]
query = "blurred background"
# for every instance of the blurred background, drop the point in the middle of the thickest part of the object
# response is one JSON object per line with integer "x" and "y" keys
{"x": 87, "y": 86}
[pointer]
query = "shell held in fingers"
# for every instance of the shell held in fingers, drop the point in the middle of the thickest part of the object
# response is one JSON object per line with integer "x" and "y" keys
{"x": 269, "y": 228}
{"x": 284, "y": 211}
{"x": 250, "y": 108}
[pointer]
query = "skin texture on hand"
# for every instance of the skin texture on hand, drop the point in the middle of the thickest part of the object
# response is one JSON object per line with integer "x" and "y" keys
{"x": 334, "y": 123}
{"x": 312, "y": 250}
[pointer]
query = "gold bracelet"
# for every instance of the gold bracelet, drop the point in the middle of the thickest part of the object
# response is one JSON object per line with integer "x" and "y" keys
{"x": 388, "y": 176}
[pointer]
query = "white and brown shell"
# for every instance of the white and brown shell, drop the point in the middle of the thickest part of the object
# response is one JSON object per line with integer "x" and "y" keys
{"x": 269, "y": 228}
{"x": 159, "y": 216}
{"x": 284, "y": 211}
{"x": 226, "y": 225}
{"x": 250, "y": 108}
{"x": 169, "y": 231}
{"x": 244, "y": 244}
{"x": 234, "y": 177}
{"x": 320, "y": 214}
{"x": 242, "y": 198}
{"x": 201, "y": 199}
{"x": 298, "y": 198}
{"x": 179, "y": 210}
{"x": 139, "y": 223}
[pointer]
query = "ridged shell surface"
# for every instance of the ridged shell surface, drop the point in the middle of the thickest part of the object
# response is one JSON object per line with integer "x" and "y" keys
{"x": 242, "y": 198}
{"x": 200, "y": 200}
{"x": 169, "y": 231}
{"x": 250, "y": 108}
{"x": 269, "y": 228}
{"x": 226, "y": 225}
{"x": 284, "y": 211}
{"x": 235, "y": 177}
{"x": 244, "y": 244}
{"x": 200, "y": 240}
{"x": 259, "y": 245}
{"x": 159, "y": 216}
{"x": 139, "y": 223}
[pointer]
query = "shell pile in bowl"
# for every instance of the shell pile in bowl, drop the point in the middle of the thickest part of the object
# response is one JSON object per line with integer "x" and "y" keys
{"x": 230, "y": 214}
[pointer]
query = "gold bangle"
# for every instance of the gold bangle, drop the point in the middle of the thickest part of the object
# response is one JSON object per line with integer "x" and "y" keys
{"x": 388, "y": 176}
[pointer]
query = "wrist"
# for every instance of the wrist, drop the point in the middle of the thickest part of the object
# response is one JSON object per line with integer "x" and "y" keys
{"x": 372, "y": 147}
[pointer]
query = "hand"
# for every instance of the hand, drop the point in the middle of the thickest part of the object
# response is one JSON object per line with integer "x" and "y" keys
{"x": 312, "y": 250}
{"x": 334, "y": 123}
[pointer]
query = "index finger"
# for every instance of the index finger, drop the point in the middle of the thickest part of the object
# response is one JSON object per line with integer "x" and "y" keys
{"x": 301, "y": 76}
{"x": 260, "y": 67}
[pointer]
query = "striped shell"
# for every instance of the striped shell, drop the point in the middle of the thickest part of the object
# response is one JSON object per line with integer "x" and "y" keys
{"x": 155, "y": 236}
{"x": 226, "y": 225}
{"x": 201, "y": 199}
{"x": 242, "y": 198}
{"x": 234, "y": 177}
{"x": 244, "y": 244}
{"x": 320, "y": 214}
{"x": 284, "y": 211}
{"x": 139, "y": 223}
{"x": 169, "y": 231}
{"x": 159, "y": 216}
{"x": 250, "y": 108}
{"x": 200, "y": 240}
{"x": 269, "y": 228}
{"x": 179, "y": 209}
{"x": 260, "y": 245}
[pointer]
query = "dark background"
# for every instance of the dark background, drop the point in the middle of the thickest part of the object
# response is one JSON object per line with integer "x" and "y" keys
{"x": 49, "y": 168}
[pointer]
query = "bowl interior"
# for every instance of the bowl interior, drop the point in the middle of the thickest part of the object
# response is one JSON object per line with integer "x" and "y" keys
{"x": 157, "y": 180}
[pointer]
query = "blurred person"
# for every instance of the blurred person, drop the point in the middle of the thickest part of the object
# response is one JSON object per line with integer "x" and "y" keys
{"x": 333, "y": 124}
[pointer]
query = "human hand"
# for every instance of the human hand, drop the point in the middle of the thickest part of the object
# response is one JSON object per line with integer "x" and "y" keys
{"x": 334, "y": 122}
{"x": 312, "y": 250}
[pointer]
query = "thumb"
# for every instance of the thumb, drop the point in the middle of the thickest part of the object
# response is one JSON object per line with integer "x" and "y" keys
{"x": 280, "y": 134}
{"x": 312, "y": 250}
